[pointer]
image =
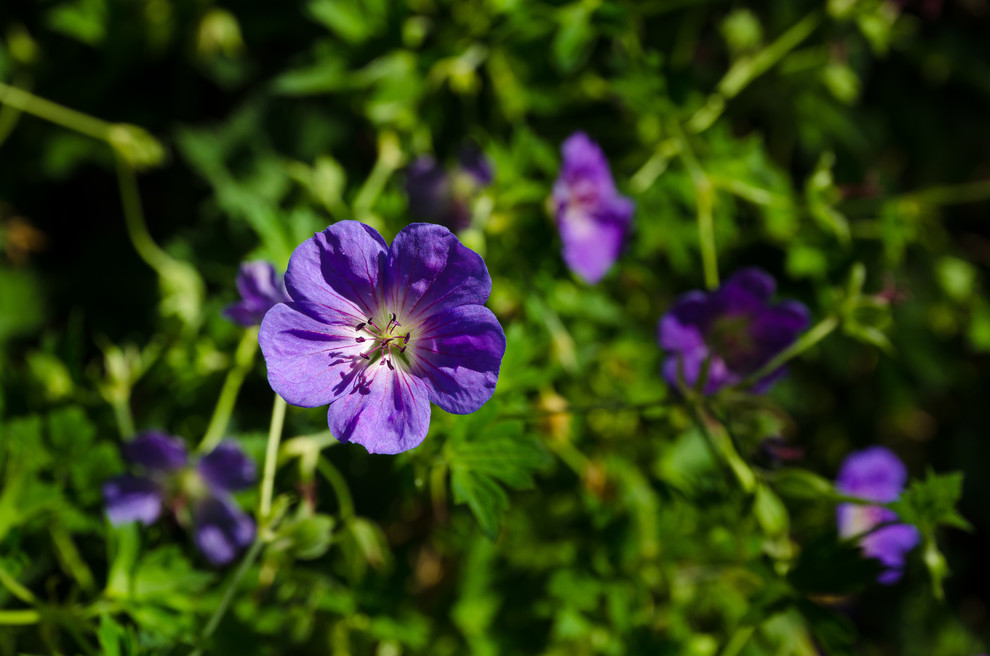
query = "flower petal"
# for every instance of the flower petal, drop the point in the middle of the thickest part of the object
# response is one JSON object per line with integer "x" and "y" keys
{"x": 875, "y": 474}
{"x": 340, "y": 268}
{"x": 156, "y": 451}
{"x": 228, "y": 468}
{"x": 458, "y": 353}
{"x": 222, "y": 530}
{"x": 583, "y": 160}
{"x": 591, "y": 245}
{"x": 386, "y": 411}
{"x": 132, "y": 499}
{"x": 719, "y": 374}
{"x": 310, "y": 361}
{"x": 747, "y": 290}
{"x": 473, "y": 161}
{"x": 430, "y": 270}
{"x": 890, "y": 546}
{"x": 682, "y": 327}
{"x": 260, "y": 287}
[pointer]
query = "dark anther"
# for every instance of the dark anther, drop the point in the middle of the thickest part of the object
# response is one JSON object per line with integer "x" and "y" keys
{"x": 359, "y": 339}
{"x": 393, "y": 316}
{"x": 360, "y": 326}
{"x": 405, "y": 340}
{"x": 402, "y": 350}
{"x": 382, "y": 361}
{"x": 365, "y": 356}
{"x": 389, "y": 363}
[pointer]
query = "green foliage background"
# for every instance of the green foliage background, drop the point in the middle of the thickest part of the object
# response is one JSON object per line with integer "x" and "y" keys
{"x": 822, "y": 136}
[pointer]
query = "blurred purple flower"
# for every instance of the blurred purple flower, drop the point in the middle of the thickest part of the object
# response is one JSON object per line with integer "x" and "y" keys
{"x": 875, "y": 474}
{"x": 443, "y": 197}
{"x": 592, "y": 217}
{"x": 260, "y": 287}
{"x": 378, "y": 332}
{"x": 734, "y": 328}
{"x": 221, "y": 530}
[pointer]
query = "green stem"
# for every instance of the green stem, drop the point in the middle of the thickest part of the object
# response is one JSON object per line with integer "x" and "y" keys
{"x": 19, "y": 617}
{"x": 747, "y": 69}
{"x": 724, "y": 450}
{"x": 971, "y": 192}
{"x": 617, "y": 406}
{"x": 818, "y": 332}
{"x": 228, "y": 594}
{"x": 243, "y": 361}
{"x": 738, "y": 641}
{"x": 58, "y": 114}
{"x": 125, "y": 420}
{"x": 438, "y": 491}
{"x": 389, "y": 160}
{"x": 271, "y": 458}
{"x": 15, "y": 588}
{"x": 339, "y": 485}
{"x": 137, "y": 230}
{"x": 705, "y": 194}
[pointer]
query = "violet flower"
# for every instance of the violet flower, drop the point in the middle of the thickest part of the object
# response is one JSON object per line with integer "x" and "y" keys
{"x": 592, "y": 217}
{"x": 876, "y": 474}
{"x": 734, "y": 329}
{"x": 260, "y": 287}
{"x": 443, "y": 197}
{"x": 199, "y": 493}
{"x": 380, "y": 331}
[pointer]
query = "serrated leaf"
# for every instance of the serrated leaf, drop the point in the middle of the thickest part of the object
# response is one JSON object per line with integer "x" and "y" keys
{"x": 483, "y": 454}
{"x": 931, "y": 502}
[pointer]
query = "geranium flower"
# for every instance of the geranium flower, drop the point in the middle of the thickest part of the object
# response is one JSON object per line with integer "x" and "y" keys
{"x": 198, "y": 493}
{"x": 260, "y": 287}
{"x": 378, "y": 332}
{"x": 592, "y": 217}
{"x": 443, "y": 197}
{"x": 734, "y": 329}
{"x": 876, "y": 474}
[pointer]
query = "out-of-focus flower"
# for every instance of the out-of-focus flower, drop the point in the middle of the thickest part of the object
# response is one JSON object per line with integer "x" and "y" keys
{"x": 199, "y": 493}
{"x": 592, "y": 217}
{"x": 734, "y": 329}
{"x": 260, "y": 287}
{"x": 875, "y": 474}
{"x": 443, "y": 197}
{"x": 378, "y": 332}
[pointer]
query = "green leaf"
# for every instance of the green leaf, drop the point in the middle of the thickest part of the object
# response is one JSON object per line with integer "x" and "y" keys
{"x": 931, "y": 502}
{"x": 483, "y": 453}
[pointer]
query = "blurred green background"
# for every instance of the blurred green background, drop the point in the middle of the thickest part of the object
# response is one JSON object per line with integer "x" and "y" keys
{"x": 829, "y": 133}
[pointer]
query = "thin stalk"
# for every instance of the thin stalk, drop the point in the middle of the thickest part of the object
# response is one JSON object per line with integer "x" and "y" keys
{"x": 705, "y": 195}
{"x": 971, "y": 192}
{"x": 271, "y": 458}
{"x": 617, "y": 406}
{"x": 125, "y": 420}
{"x": 438, "y": 491}
{"x": 15, "y": 588}
{"x": 137, "y": 229}
{"x": 243, "y": 361}
{"x": 58, "y": 114}
{"x": 228, "y": 595}
{"x": 19, "y": 617}
{"x": 747, "y": 69}
{"x": 818, "y": 332}
{"x": 738, "y": 641}
{"x": 344, "y": 499}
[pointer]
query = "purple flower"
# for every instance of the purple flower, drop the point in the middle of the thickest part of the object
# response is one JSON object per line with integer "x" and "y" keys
{"x": 261, "y": 287}
{"x": 592, "y": 217}
{"x": 378, "y": 332}
{"x": 445, "y": 198}
{"x": 221, "y": 530}
{"x": 734, "y": 329}
{"x": 875, "y": 474}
